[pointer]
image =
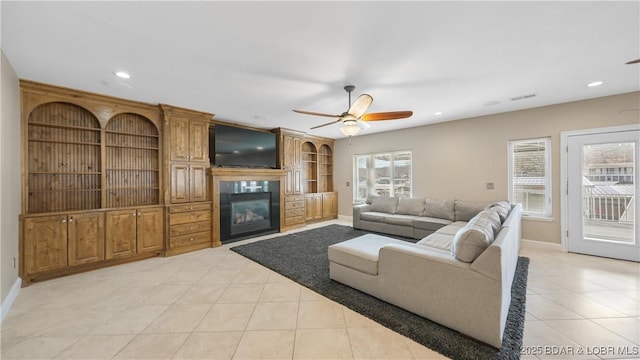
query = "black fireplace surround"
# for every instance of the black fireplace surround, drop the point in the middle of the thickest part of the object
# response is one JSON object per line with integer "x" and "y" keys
{"x": 248, "y": 208}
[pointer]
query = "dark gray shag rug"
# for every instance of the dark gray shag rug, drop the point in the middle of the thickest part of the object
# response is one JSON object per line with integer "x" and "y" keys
{"x": 302, "y": 257}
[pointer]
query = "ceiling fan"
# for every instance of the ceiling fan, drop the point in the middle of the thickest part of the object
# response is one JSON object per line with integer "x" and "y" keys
{"x": 355, "y": 118}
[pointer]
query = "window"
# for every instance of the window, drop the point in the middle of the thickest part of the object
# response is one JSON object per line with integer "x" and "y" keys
{"x": 385, "y": 174}
{"x": 530, "y": 176}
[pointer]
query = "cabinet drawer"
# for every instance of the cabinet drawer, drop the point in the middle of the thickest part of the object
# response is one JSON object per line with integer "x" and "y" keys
{"x": 189, "y": 239}
{"x": 288, "y": 221}
{"x": 189, "y": 208}
{"x": 190, "y": 217}
{"x": 294, "y": 198}
{"x": 289, "y": 205}
{"x": 293, "y": 212}
{"x": 189, "y": 228}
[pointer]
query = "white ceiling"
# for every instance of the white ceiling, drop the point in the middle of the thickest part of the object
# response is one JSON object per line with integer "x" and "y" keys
{"x": 253, "y": 62}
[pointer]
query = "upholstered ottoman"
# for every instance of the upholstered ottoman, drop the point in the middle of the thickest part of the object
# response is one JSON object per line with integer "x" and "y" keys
{"x": 360, "y": 253}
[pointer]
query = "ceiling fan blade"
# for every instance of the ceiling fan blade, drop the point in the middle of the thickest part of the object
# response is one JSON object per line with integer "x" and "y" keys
{"x": 361, "y": 105}
{"x": 316, "y": 114}
{"x": 636, "y": 61}
{"x": 331, "y": 123}
{"x": 392, "y": 115}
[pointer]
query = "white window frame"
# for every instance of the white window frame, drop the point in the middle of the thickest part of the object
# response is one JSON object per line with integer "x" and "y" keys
{"x": 370, "y": 156}
{"x": 548, "y": 183}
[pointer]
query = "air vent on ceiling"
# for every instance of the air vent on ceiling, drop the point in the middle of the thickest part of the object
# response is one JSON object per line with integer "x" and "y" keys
{"x": 522, "y": 97}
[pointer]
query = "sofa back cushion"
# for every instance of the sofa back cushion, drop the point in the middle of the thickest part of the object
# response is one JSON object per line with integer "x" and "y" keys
{"x": 442, "y": 209}
{"x": 502, "y": 207}
{"x": 410, "y": 206}
{"x": 475, "y": 237}
{"x": 465, "y": 210}
{"x": 384, "y": 204}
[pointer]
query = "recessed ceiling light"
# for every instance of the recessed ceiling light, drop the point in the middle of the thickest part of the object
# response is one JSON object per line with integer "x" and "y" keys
{"x": 122, "y": 75}
{"x": 437, "y": 113}
{"x": 594, "y": 84}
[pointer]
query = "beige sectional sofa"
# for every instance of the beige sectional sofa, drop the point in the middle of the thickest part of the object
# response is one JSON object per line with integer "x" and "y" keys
{"x": 459, "y": 275}
{"x": 412, "y": 217}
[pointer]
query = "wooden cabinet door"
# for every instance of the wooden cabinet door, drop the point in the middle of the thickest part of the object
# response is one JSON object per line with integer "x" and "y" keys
{"x": 149, "y": 230}
{"x": 179, "y": 139}
{"x": 45, "y": 243}
{"x": 329, "y": 205}
{"x": 120, "y": 233}
{"x": 292, "y": 180}
{"x": 197, "y": 182}
{"x": 199, "y": 141}
{"x": 312, "y": 207}
{"x": 86, "y": 238}
{"x": 289, "y": 151}
{"x": 179, "y": 183}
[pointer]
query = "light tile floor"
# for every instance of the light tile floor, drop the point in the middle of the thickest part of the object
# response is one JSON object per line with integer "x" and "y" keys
{"x": 215, "y": 304}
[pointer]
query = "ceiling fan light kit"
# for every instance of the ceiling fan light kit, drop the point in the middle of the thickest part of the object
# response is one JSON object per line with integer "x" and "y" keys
{"x": 355, "y": 118}
{"x": 349, "y": 127}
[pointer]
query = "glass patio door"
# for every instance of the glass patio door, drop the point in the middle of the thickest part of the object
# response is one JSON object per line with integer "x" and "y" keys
{"x": 602, "y": 185}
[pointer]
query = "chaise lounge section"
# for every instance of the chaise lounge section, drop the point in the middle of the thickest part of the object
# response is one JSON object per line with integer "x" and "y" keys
{"x": 459, "y": 276}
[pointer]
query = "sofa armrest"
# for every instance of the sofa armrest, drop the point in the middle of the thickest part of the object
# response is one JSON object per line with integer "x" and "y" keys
{"x": 357, "y": 211}
{"x": 424, "y": 253}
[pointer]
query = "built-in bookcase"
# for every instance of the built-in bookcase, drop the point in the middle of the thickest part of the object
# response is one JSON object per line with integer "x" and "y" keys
{"x": 309, "y": 168}
{"x": 63, "y": 156}
{"x": 132, "y": 161}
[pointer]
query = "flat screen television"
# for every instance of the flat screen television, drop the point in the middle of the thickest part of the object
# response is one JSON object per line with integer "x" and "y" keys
{"x": 231, "y": 146}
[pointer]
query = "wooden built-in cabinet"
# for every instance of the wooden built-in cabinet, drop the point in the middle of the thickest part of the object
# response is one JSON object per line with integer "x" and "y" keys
{"x": 308, "y": 165}
{"x": 133, "y": 231}
{"x": 189, "y": 227}
{"x": 84, "y": 156}
{"x": 108, "y": 181}
{"x": 189, "y": 210}
{"x": 188, "y": 139}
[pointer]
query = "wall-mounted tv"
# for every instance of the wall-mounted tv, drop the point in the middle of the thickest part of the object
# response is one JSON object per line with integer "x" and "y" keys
{"x": 231, "y": 146}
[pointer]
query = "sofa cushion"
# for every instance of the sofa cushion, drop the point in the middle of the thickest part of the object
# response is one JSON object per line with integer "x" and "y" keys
{"x": 430, "y": 223}
{"x": 438, "y": 241}
{"x": 452, "y": 228}
{"x": 384, "y": 204}
{"x": 465, "y": 210}
{"x": 471, "y": 240}
{"x": 502, "y": 207}
{"x": 373, "y": 216}
{"x": 370, "y": 198}
{"x": 410, "y": 206}
{"x": 443, "y": 209}
{"x": 399, "y": 219}
{"x": 488, "y": 216}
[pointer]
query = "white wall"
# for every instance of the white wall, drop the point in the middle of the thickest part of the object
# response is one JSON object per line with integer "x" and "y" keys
{"x": 9, "y": 181}
{"x": 456, "y": 159}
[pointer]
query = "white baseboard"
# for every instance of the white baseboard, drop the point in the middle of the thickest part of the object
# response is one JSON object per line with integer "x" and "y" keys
{"x": 542, "y": 245}
{"x": 11, "y": 297}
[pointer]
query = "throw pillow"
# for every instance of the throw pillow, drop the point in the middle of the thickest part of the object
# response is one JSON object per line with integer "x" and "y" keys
{"x": 384, "y": 204}
{"x": 410, "y": 206}
{"x": 441, "y": 209}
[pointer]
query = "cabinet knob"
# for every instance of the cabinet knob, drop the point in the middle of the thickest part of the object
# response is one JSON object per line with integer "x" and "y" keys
{"x": 192, "y": 217}
{"x": 64, "y": 221}
{"x": 191, "y": 208}
{"x": 191, "y": 239}
{"x": 139, "y": 214}
{"x": 191, "y": 228}
{"x": 134, "y": 214}
{"x": 70, "y": 218}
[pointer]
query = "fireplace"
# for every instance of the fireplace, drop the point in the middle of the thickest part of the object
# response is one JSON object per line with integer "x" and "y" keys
{"x": 248, "y": 208}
